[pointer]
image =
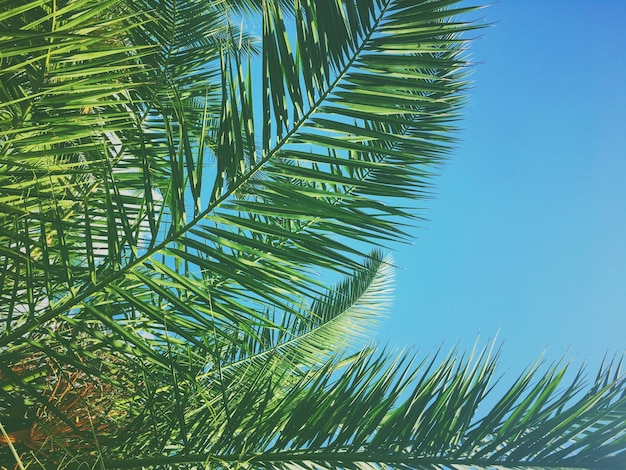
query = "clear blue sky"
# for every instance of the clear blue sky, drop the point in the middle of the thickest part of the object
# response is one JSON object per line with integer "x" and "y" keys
{"x": 527, "y": 235}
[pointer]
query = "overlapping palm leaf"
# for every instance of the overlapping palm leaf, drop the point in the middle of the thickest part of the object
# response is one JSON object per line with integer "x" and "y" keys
{"x": 224, "y": 392}
{"x": 151, "y": 243}
{"x": 171, "y": 204}
{"x": 386, "y": 410}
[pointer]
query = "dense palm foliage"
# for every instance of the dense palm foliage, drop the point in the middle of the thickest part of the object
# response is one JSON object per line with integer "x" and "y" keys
{"x": 175, "y": 194}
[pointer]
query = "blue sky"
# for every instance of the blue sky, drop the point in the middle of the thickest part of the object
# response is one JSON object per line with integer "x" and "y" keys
{"x": 527, "y": 234}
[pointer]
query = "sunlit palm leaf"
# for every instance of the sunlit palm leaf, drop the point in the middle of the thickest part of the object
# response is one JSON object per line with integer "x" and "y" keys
{"x": 330, "y": 325}
{"x": 168, "y": 201}
{"x": 268, "y": 225}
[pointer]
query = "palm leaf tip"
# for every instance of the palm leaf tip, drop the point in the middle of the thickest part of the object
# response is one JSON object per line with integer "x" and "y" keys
{"x": 335, "y": 320}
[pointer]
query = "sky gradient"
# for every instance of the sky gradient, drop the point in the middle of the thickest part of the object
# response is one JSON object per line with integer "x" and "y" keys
{"x": 527, "y": 235}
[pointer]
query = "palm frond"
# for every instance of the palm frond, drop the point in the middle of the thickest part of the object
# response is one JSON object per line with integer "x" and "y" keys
{"x": 169, "y": 202}
{"x": 386, "y": 411}
{"x": 278, "y": 214}
{"x": 333, "y": 322}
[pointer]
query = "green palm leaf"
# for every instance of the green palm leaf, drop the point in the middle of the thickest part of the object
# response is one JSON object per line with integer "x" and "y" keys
{"x": 174, "y": 191}
{"x": 383, "y": 410}
{"x": 274, "y": 215}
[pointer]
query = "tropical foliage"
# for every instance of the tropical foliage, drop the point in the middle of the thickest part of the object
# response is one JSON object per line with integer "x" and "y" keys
{"x": 188, "y": 209}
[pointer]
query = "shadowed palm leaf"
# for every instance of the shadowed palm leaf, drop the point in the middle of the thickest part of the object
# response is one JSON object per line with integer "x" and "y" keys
{"x": 169, "y": 201}
{"x": 383, "y": 410}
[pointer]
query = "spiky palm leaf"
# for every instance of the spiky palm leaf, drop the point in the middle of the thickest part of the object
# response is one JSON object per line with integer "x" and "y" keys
{"x": 109, "y": 222}
{"x": 164, "y": 236}
{"x": 384, "y": 411}
{"x": 276, "y": 209}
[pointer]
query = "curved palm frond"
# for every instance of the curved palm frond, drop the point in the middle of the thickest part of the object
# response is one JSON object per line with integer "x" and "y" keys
{"x": 383, "y": 411}
{"x": 334, "y": 321}
{"x": 162, "y": 241}
{"x": 153, "y": 272}
{"x": 221, "y": 393}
